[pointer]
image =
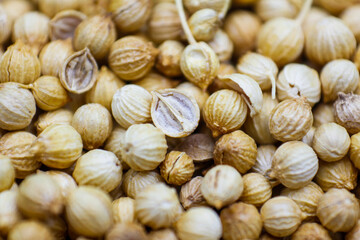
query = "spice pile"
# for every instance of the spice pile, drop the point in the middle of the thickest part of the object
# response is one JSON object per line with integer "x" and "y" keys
{"x": 179, "y": 119}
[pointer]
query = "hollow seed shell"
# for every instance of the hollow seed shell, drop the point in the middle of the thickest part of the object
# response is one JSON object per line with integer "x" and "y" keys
{"x": 79, "y": 72}
{"x": 174, "y": 113}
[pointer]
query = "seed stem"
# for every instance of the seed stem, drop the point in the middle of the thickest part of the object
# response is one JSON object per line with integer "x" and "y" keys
{"x": 185, "y": 26}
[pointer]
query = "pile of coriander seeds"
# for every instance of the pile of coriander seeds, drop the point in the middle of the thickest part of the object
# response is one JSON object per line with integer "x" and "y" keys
{"x": 179, "y": 119}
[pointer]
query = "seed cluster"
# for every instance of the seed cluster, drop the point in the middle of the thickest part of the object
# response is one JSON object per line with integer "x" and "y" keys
{"x": 179, "y": 119}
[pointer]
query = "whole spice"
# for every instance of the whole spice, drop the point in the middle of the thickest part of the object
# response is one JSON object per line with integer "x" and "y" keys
{"x": 115, "y": 143}
{"x": 164, "y": 23}
{"x": 242, "y": 28}
{"x": 292, "y": 169}
{"x": 19, "y": 64}
{"x": 49, "y": 94}
{"x": 224, "y": 112}
{"x": 176, "y": 114}
{"x": 311, "y": 231}
{"x": 354, "y": 152}
{"x": 204, "y": 24}
{"x": 314, "y": 15}
{"x": 17, "y": 106}
{"x": 324, "y": 35}
{"x": 98, "y": 168}
{"x": 94, "y": 123}
{"x": 60, "y": 116}
{"x": 190, "y": 194}
{"x": 63, "y": 24}
{"x": 134, "y": 182}
{"x": 40, "y": 197}
{"x": 79, "y": 72}
{"x": 66, "y": 183}
{"x": 17, "y": 8}
{"x": 52, "y": 7}
{"x": 299, "y": 80}
{"x": 5, "y": 25}
{"x": 257, "y": 189}
{"x": 339, "y": 174}
{"x": 347, "y": 113}
{"x": 82, "y": 205}
{"x": 262, "y": 69}
{"x": 350, "y": 17}
{"x": 168, "y": 60}
{"x": 248, "y": 88}
{"x": 221, "y": 186}
{"x": 30, "y": 229}
{"x": 16, "y": 146}
{"x": 132, "y": 57}
{"x": 323, "y": 113}
{"x": 96, "y": 33}
{"x": 33, "y": 29}
{"x": 9, "y": 212}
{"x": 58, "y": 146}
{"x": 123, "y": 210}
{"x": 7, "y": 173}
{"x": 263, "y": 162}
{"x": 281, "y": 216}
{"x": 291, "y": 119}
{"x": 144, "y": 147}
{"x": 123, "y": 231}
{"x": 338, "y": 76}
{"x": 157, "y": 206}
{"x": 199, "y": 64}
{"x": 267, "y": 9}
{"x": 131, "y": 105}
{"x": 334, "y": 6}
{"x": 164, "y": 234}
{"x": 222, "y": 45}
{"x": 221, "y": 6}
{"x": 354, "y": 233}
{"x": 307, "y": 198}
{"x": 257, "y": 126}
{"x": 199, "y": 222}
{"x": 331, "y": 142}
{"x": 241, "y": 221}
{"x": 237, "y": 150}
{"x": 282, "y": 39}
{"x": 53, "y": 55}
{"x": 338, "y": 210}
{"x": 106, "y": 85}
{"x": 191, "y": 89}
{"x": 177, "y": 168}
{"x": 154, "y": 81}
{"x": 130, "y": 15}
{"x": 309, "y": 137}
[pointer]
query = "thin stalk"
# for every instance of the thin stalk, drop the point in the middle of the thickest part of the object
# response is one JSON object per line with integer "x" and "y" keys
{"x": 304, "y": 10}
{"x": 185, "y": 26}
{"x": 273, "y": 85}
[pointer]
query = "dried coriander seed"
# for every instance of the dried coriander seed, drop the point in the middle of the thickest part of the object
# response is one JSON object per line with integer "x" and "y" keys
{"x": 177, "y": 168}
